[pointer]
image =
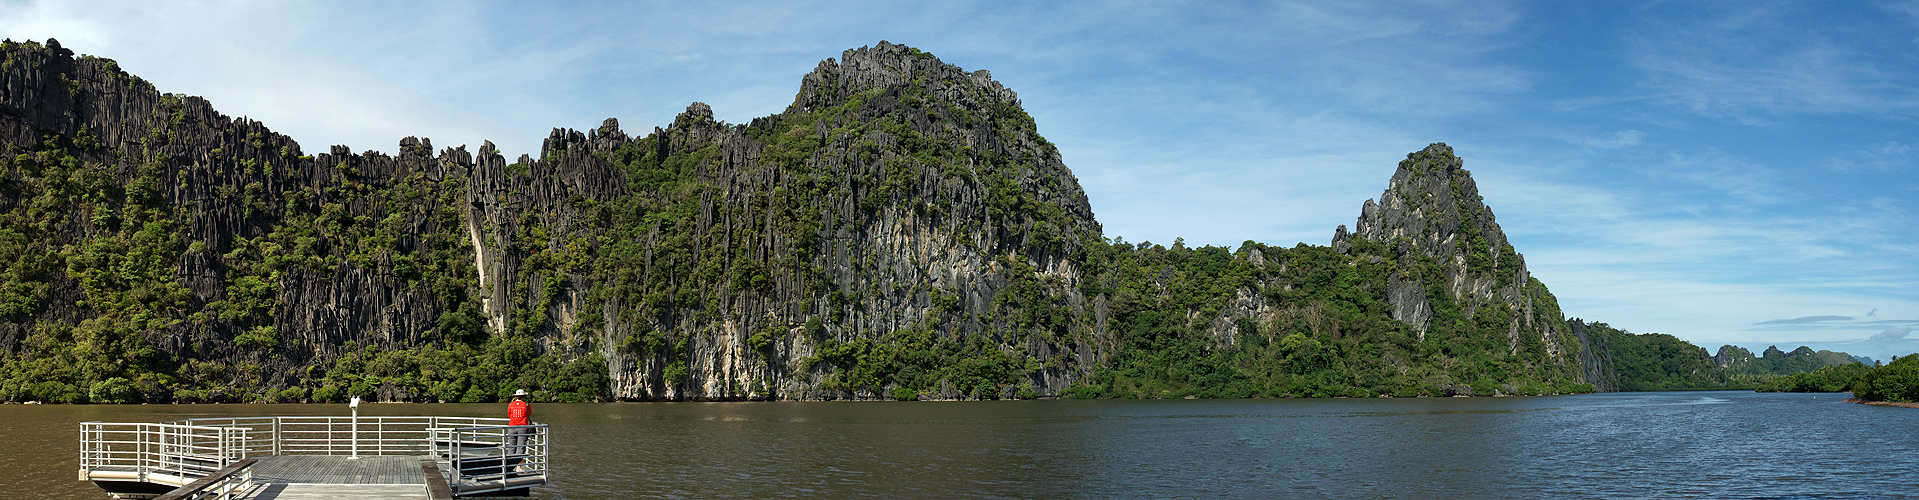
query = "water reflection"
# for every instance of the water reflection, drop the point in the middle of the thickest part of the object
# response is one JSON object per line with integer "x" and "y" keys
{"x": 1610, "y": 445}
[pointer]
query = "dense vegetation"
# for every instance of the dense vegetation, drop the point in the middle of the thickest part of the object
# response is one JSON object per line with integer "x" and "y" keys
{"x": 1743, "y": 370}
{"x": 123, "y": 256}
{"x": 1654, "y": 361}
{"x": 1327, "y": 334}
{"x": 902, "y": 231}
{"x": 1897, "y": 381}
{"x": 201, "y": 240}
{"x": 1834, "y": 378}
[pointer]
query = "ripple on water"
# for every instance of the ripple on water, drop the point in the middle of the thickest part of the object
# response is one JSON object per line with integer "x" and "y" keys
{"x": 1679, "y": 445}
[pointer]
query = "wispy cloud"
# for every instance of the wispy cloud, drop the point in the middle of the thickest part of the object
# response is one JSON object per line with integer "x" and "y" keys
{"x": 1805, "y": 319}
{"x": 1620, "y": 139}
{"x": 1884, "y": 157}
{"x": 1721, "y": 171}
{"x": 1757, "y": 61}
{"x": 1618, "y": 145}
{"x": 1893, "y": 341}
{"x": 1696, "y": 244}
{"x": 1891, "y": 335}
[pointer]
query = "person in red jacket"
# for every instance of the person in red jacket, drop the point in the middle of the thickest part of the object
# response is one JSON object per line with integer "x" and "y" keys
{"x": 518, "y": 414}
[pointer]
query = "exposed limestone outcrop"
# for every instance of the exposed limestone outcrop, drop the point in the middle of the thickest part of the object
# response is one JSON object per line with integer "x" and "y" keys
{"x": 901, "y": 230}
{"x": 1776, "y": 361}
{"x": 1432, "y": 210}
{"x": 1731, "y": 354}
{"x": 225, "y": 178}
{"x": 897, "y": 192}
{"x": 1595, "y": 358}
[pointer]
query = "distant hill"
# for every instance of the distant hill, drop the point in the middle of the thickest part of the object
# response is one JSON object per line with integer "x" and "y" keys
{"x": 1737, "y": 360}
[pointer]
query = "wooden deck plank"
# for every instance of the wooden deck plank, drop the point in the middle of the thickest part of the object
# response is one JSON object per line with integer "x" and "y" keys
{"x": 284, "y": 491}
{"x": 318, "y": 469}
{"x": 306, "y": 477}
{"x": 436, "y": 487}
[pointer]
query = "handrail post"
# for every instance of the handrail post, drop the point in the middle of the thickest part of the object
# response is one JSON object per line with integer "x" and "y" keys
{"x": 85, "y": 446}
{"x": 355, "y": 405}
{"x": 458, "y": 458}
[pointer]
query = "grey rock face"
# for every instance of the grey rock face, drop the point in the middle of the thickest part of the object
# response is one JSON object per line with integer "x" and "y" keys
{"x": 1595, "y": 358}
{"x": 897, "y": 240}
{"x": 1729, "y": 355}
{"x": 1432, "y": 208}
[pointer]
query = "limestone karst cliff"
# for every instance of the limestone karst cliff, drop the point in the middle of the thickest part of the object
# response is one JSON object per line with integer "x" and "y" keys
{"x": 703, "y": 260}
{"x": 1772, "y": 361}
{"x": 1432, "y": 209}
{"x": 900, "y": 231}
{"x": 1448, "y": 255}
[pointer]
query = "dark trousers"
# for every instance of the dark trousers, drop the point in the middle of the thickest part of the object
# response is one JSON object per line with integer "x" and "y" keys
{"x": 516, "y": 440}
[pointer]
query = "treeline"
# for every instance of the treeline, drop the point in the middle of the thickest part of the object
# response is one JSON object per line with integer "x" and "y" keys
{"x": 1660, "y": 362}
{"x": 1650, "y": 361}
{"x": 1326, "y": 329}
{"x": 1896, "y": 381}
{"x": 1743, "y": 370}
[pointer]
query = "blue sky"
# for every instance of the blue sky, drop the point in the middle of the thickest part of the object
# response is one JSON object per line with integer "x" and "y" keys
{"x": 1726, "y": 172}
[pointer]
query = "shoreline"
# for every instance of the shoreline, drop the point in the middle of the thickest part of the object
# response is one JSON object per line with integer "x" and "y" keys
{"x": 1882, "y": 403}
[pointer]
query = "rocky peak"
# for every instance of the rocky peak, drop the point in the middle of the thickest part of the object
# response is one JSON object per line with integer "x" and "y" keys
{"x": 1772, "y": 351}
{"x": 1434, "y": 204}
{"x": 1432, "y": 210}
{"x": 1448, "y": 255}
{"x": 1730, "y": 354}
{"x": 892, "y": 68}
{"x": 695, "y": 113}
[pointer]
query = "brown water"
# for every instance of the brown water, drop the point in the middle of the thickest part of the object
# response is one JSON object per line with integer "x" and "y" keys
{"x": 1718, "y": 444}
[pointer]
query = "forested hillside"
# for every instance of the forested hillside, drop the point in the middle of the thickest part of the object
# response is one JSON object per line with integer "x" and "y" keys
{"x": 900, "y": 231}
{"x": 1745, "y": 370}
{"x": 1425, "y": 297}
{"x": 1648, "y": 362}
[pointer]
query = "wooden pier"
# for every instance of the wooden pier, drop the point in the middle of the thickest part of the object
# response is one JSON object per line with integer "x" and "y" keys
{"x": 308, "y": 477}
{"x": 299, "y": 477}
{"x": 300, "y": 458}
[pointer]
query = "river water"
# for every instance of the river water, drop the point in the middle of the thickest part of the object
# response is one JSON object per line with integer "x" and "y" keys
{"x": 1621, "y": 445}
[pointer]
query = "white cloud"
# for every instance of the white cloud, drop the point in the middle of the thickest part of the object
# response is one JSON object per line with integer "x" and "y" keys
{"x": 337, "y": 104}
{"x": 1755, "y": 62}
{"x": 1883, "y": 157}
{"x": 1270, "y": 122}
{"x": 1732, "y": 175}
{"x": 1891, "y": 335}
{"x": 293, "y": 67}
{"x": 1620, "y": 139}
{"x": 1619, "y": 244}
{"x": 1893, "y": 341}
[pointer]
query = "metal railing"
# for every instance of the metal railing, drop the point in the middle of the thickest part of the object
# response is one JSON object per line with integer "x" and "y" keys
{"x": 480, "y": 454}
{"x": 492, "y": 458}
{"x": 362, "y": 436}
{"x": 227, "y": 483}
{"x": 166, "y": 453}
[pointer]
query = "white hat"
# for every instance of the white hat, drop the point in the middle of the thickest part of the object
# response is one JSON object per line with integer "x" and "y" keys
{"x": 519, "y": 392}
